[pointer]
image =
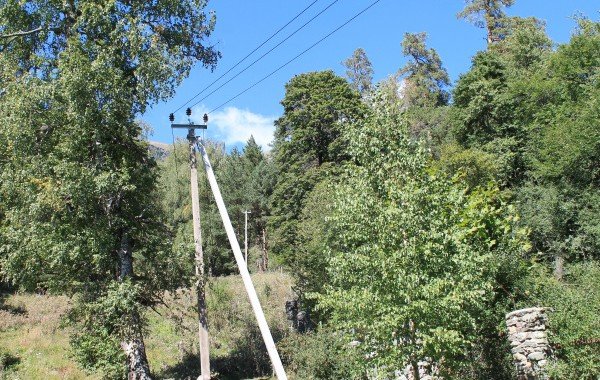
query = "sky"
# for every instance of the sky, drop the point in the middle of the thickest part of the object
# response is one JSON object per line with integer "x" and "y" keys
{"x": 243, "y": 25}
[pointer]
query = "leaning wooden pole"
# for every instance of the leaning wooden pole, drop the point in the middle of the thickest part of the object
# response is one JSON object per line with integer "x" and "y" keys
{"x": 239, "y": 258}
{"x": 199, "y": 262}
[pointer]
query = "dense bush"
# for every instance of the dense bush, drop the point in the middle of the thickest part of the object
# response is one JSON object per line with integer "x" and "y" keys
{"x": 574, "y": 319}
{"x": 321, "y": 354}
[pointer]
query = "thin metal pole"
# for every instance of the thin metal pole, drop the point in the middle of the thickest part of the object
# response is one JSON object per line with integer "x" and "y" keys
{"x": 237, "y": 252}
{"x": 246, "y": 235}
{"x": 199, "y": 263}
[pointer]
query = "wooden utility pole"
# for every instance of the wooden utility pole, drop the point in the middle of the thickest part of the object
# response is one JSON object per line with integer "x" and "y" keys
{"x": 199, "y": 261}
{"x": 198, "y": 254}
{"x": 237, "y": 253}
{"x": 246, "y": 235}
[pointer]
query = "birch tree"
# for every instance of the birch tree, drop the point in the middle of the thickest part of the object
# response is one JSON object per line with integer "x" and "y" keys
{"x": 77, "y": 182}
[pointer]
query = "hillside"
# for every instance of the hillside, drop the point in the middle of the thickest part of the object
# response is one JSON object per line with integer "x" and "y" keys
{"x": 35, "y": 346}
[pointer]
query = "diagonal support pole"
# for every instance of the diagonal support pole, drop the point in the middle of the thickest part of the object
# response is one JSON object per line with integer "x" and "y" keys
{"x": 239, "y": 258}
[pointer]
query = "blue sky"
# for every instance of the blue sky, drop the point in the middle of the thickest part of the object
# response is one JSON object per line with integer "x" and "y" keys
{"x": 243, "y": 25}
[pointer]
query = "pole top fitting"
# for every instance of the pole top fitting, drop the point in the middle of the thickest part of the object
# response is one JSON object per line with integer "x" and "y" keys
{"x": 205, "y": 118}
{"x": 171, "y": 117}
{"x": 188, "y": 111}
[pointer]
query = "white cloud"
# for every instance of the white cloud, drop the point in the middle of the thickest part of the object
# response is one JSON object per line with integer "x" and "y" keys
{"x": 233, "y": 125}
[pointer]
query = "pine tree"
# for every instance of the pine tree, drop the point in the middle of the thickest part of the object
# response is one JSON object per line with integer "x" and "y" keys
{"x": 308, "y": 137}
{"x": 425, "y": 77}
{"x": 488, "y": 14}
{"x": 359, "y": 71}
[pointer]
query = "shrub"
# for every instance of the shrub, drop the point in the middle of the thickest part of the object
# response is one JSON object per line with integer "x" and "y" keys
{"x": 321, "y": 354}
{"x": 574, "y": 322}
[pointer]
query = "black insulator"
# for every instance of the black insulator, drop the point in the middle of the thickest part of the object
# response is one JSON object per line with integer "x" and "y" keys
{"x": 205, "y": 118}
{"x": 188, "y": 112}
{"x": 171, "y": 117}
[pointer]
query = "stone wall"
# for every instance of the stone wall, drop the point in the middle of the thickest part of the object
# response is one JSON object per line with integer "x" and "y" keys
{"x": 427, "y": 371}
{"x": 529, "y": 342}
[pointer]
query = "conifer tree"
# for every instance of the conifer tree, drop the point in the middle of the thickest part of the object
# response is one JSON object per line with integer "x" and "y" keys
{"x": 488, "y": 14}
{"x": 359, "y": 71}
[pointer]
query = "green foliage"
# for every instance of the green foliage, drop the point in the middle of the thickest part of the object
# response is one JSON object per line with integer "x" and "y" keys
{"x": 482, "y": 108}
{"x": 488, "y": 14}
{"x": 359, "y": 71}
{"x": 425, "y": 77}
{"x": 246, "y": 182}
{"x": 79, "y": 185}
{"x": 574, "y": 306}
{"x": 317, "y": 108}
{"x": 97, "y": 351}
{"x": 176, "y": 204}
{"x": 103, "y": 321}
{"x": 324, "y": 354}
{"x": 416, "y": 260}
{"x": 475, "y": 166}
{"x": 560, "y": 200}
{"x": 424, "y": 93}
{"x": 493, "y": 103}
{"x": 309, "y": 264}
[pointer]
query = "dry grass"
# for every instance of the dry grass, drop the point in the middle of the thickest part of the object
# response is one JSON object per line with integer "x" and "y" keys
{"x": 236, "y": 345}
{"x": 30, "y": 332}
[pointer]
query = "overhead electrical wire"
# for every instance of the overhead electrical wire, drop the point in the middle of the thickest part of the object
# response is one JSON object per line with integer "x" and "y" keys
{"x": 249, "y": 54}
{"x": 293, "y": 59}
{"x": 265, "y": 54}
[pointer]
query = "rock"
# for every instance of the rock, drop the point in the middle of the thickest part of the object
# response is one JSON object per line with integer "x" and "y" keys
{"x": 536, "y": 356}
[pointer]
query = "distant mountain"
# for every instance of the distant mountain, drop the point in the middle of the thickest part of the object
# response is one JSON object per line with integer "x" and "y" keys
{"x": 159, "y": 150}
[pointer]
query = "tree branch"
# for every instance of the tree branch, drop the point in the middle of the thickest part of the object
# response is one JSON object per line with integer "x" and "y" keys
{"x": 21, "y": 33}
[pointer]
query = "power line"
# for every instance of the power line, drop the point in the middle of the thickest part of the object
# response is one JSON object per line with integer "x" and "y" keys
{"x": 249, "y": 54}
{"x": 296, "y": 57}
{"x": 264, "y": 55}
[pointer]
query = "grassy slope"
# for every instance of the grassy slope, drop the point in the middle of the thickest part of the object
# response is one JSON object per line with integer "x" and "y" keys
{"x": 38, "y": 348}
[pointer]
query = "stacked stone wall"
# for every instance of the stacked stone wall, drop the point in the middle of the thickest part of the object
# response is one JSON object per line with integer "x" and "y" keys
{"x": 529, "y": 342}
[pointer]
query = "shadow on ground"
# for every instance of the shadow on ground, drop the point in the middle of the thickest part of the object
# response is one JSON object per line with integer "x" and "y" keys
{"x": 249, "y": 360}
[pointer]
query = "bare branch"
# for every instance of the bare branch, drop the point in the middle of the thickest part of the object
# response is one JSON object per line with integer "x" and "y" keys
{"x": 21, "y": 33}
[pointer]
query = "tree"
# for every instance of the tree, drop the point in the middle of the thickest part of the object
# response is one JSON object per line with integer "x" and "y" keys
{"x": 359, "y": 71}
{"x": 317, "y": 107}
{"x": 425, "y": 77}
{"x": 253, "y": 152}
{"x": 74, "y": 76}
{"x": 424, "y": 94}
{"x": 487, "y": 14}
{"x": 493, "y": 106}
{"x": 261, "y": 181}
{"x": 176, "y": 204}
{"x": 560, "y": 198}
{"x": 415, "y": 260}
{"x": 573, "y": 303}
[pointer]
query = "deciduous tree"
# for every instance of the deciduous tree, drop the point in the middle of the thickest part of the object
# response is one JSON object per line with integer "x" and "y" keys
{"x": 80, "y": 215}
{"x": 415, "y": 260}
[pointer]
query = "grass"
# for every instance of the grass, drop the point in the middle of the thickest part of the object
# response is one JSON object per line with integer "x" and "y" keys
{"x": 33, "y": 345}
{"x": 31, "y": 337}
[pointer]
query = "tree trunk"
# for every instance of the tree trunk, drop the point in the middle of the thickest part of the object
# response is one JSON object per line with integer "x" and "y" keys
{"x": 137, "y": 363}
{"x": 133, "y": 344}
